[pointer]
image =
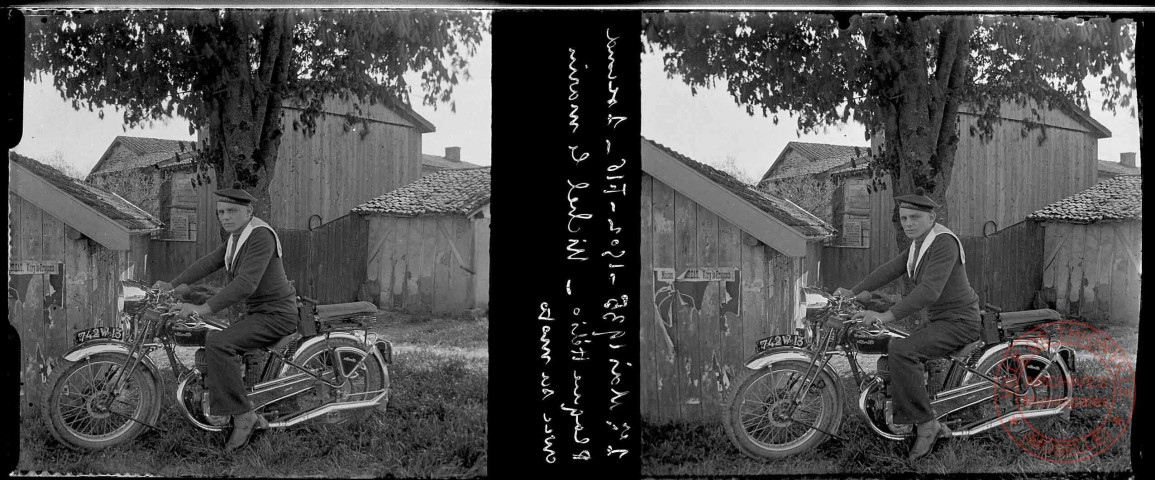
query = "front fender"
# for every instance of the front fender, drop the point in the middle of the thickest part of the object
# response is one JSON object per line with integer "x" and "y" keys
{"x": 767, "y": 358}
{"x": 88, "y": 349}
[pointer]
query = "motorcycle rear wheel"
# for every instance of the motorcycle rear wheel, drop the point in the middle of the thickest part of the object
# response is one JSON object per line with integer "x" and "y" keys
{"x": 363, "y": 377}
{"x": 754, "y": 418}
{"x": 76, "y": 412}
{"x": 1047, "y": 384}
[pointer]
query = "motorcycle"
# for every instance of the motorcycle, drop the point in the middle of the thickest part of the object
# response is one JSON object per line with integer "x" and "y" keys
{"x": 109, "y": 390}
{"x": 791, "y": 400}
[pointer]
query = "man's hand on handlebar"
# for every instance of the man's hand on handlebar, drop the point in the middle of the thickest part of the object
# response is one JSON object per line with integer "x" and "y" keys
{"x": 185, "y": 310}
{"x": 847, "y": 293}
{"x": 872, "y": 318}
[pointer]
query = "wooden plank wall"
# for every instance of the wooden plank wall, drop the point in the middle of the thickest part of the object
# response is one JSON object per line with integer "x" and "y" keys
{"x": 1092, "y": 272}
{"x": 335, "y": 170}
{"x": 166, "y": 259}
{"x": 90, "y": 284}
{"x": 423, "y": 264}
{"x": 692, "y": 354}
{"x": 1005, "y": 269}
{"x": 1012, "y": 176}
{"x": 323, "y": 263}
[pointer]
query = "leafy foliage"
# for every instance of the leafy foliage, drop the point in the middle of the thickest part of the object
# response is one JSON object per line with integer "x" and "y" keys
{"x": 228, "y": 71}
{"x": 730, "y": 167}
{"x": 903, "y": 77}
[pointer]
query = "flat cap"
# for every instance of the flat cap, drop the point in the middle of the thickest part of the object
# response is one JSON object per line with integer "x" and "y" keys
{"x": 235, "y": 195}
{"x": 918, "y": 201}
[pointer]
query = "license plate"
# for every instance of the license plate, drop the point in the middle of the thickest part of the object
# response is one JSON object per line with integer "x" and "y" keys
{"x": 772, "y": 341}
{"x": 100, "y": 333}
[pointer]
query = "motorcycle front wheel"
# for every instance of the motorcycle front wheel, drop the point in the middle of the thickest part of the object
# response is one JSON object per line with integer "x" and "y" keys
{"x": 84, "y": 412}
{"x": 364, "y": 379}
{"x": 762, "y": 421}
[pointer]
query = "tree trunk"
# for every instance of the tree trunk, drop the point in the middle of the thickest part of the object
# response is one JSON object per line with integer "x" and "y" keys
{"x": 920, "y": 110}
{"x": 245, "y": 128}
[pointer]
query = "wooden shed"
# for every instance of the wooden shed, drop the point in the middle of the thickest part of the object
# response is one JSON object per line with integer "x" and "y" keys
{"x": 428, "y": 243}
{"x": 70, "y": 245}
{"x": 358, "y": 151}
{"x": 725, "y": 264}
{"x": 994, "y": 185}
{"x": 1093, "y": 251}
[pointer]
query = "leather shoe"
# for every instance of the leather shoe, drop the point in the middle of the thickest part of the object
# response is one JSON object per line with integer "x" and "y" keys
{"x": 243, "y": 426}
{"x": 928, "y": 435}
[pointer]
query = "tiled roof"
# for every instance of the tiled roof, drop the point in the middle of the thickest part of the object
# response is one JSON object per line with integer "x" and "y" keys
{"x": 149, "y": 152}
{"x": 818, "y": 158}
{"x": 1120, "y": 198}
{"x": 860, "y": 165}
{"x": 441, "y": 163}
{"x": 1116, "y": 168}
{"x": 781, "y": 209}
{"x": 447, "y": 192}
{"x": 107, "y": 203}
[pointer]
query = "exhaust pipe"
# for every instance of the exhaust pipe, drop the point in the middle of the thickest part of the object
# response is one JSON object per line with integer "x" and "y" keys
{"x": 1062, "y": 408}
{"x": 330, "y": 408}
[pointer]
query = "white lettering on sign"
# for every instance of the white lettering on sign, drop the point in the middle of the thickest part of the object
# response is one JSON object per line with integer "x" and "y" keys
{"x": 33, "y": 267}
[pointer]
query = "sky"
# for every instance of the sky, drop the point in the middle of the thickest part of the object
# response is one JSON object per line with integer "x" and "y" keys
{"x": 709, "y": 126}
{"x": 81, "y": 137}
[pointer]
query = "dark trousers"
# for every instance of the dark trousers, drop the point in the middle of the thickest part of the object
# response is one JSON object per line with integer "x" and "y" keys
{"x": 907, "y": 358}
{"x": 222, "y": 357}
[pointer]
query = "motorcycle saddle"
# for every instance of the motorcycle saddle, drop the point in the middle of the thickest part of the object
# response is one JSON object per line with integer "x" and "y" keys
{"x": 1027, "y": 318}
{"x": 340, "y": 310}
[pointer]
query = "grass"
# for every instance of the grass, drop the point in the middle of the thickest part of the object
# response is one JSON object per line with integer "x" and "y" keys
{"x": 435, "y": 425}
{"x": 690, "y": 449}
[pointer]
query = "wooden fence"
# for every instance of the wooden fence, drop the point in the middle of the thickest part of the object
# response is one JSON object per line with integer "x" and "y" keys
{"x": 327, "y": 263}
{"x": 1005, "y": 269}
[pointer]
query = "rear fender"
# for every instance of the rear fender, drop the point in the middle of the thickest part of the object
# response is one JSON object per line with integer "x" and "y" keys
{"x": 361, "y": 339}
{"x": 88, "y": 349}
{"x": 769, "y": 357}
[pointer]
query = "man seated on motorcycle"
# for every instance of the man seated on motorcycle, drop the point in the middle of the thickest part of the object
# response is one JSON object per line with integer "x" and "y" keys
{"x": 934, "y": 263}
{"x": 252, "y": 259}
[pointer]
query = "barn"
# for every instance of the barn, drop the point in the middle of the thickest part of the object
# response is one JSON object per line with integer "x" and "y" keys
{"x": 428, "y": 243}
{"x": 1093, "y": 251}
{"x": 994, "y": 186}
{"x": 70, "y": 244}
{"x": 724, "y": 263}
{"x": 358, "y": 151}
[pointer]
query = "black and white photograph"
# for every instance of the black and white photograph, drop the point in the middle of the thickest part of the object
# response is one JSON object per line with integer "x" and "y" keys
{"x": 249, "y": 242}
{"x": 258, "y": 241}
{"x": 878, "y": 243}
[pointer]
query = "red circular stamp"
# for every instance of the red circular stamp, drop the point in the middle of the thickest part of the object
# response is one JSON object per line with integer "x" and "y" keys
{"x": 1065, "y": 392}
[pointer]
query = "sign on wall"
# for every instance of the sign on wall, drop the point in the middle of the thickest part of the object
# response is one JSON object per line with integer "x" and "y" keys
{"x": 33, "y": 267}
{"x": 855, "y": 231}
{"x": 689, "y": 288}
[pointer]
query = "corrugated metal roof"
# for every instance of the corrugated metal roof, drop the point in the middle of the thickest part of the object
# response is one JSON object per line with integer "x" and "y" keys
{"x": 1120, "y": 198}
{"x": 781, "y": 209}
{"x": 448, "y": 192}
{"x": 149, "y": 152}
{"x": 107, "y": 203}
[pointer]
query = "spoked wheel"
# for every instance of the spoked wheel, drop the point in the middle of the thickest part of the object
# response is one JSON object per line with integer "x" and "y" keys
{"x": 84, "y": 410}
{"x": 763, "y": 420}
{"x": 1044, "y": 384}
{"x": 364, "y": 380}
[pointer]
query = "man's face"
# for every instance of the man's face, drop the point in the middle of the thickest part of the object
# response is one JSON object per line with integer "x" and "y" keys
{"x": 915, "y": 223}
{"x": 233, "y": 217}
